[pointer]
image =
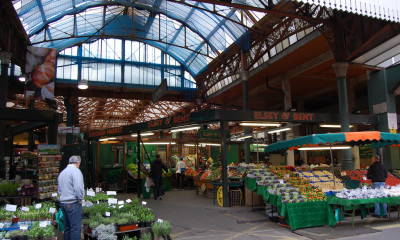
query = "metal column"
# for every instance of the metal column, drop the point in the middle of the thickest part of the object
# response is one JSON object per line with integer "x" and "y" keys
{"x": 224, "y": 165}
{"x": 5, "y": 58}
{"x": 341, "y": 70}
{"x": 245, "y": 77}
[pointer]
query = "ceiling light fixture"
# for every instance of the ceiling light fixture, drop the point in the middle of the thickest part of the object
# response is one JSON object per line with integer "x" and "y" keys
{"x": 112, "y": 138}
{"x": 83, "y": 84}
{"x": 185, "y": 129}
{"x": 244, "y": 137}
{"x": 332, "y": 126}
{"x": 143, "y": 134}
{"x": 324, "y": 148}
{"x": 22, "y": 78}
{"x": 279, "y": 130}
{"x": 261, "y": 124}
{"x": 158, "y": 143}
{"x": 211, "y": 144}
{"x": 103, "y": 139}
{"x": 189, "y": 145}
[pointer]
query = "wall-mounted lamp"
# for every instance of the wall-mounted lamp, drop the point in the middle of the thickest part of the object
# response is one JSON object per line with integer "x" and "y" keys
{"x": 332, "y": 125}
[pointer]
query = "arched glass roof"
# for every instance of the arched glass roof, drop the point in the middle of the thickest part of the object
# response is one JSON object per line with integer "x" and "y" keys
{"x": 191, "y": 32}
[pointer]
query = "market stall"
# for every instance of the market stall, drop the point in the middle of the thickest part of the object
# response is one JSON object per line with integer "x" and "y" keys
{"x": 377, "y": 139}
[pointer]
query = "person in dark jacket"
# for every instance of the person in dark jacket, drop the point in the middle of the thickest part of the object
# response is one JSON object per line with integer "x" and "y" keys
{"x": 377, "y": 173}
{"x": 156, "y": 168}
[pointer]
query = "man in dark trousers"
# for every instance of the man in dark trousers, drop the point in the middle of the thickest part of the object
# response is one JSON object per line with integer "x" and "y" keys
{"x": 377, "y": 173}
{"x": 156, "y": 168}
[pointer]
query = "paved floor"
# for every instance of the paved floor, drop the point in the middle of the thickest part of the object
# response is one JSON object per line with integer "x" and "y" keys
{"x": 195, "y": 217}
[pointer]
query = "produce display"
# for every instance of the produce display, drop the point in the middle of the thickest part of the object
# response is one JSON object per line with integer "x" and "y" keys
{"x": 286, "y": 183}
{"x": 323, "y": 180}
{"x": 133, "y": 169}
{"x": 361, "y": 175}
{"x": 363, "y": 193}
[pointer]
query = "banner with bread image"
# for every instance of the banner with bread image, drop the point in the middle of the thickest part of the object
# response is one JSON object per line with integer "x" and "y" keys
{"x": 40, "y": 73}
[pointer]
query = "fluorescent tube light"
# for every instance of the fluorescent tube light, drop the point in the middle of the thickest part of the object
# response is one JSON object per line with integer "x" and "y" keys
{"x": 185, "y": 129}
{"x": 103, "y": 139}
{"x": 279, "y": 130}
{"x": 324, "y": 148}
{"x": 332, "y": 125}
{"x": 244, "y": 137}
{"x": 189, "y": 145}
{"x": 142, "y": 134}
{"x": 112, "y": 138}
{"x": 158, "y": 143}
{"x": 211, "y": 144}
{"x": 261, "y": 124}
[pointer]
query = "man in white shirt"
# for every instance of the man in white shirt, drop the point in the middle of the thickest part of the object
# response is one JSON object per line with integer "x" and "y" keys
{"x": 71, "y": 192}
{"x": 180, "y": 174}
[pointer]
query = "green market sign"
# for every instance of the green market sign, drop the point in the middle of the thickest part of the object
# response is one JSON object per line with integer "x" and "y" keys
{"x": 212, "y": 134}
{"x": 48, "y": 149}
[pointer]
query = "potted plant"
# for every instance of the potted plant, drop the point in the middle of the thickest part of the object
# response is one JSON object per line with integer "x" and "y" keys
{"x": 48, "y": 232}
{"x": 105, "y": 232}
{"x": 16, "y": 234}
{"x": 35, "y": 231}
{"x": 162, "y": 229}
{"x": 145, "y": 236}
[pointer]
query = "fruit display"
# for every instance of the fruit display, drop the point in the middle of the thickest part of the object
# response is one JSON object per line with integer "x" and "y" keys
{"x": 281, "y": 180}
{"x": 361, "y": 175}
{"x": 323, "y": 180}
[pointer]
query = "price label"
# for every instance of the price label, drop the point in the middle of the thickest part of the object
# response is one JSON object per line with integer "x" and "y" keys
{"x": 25, "y": 209}
{"x": 11, "y": 208}
{"x": 23, "y": 227}
{"x": 90, "y": 193}
{"x": 43, "y": 224}
{"x": 364, "y": 178}
{"x": 144, "y": 203}
{"x": 112, "y": 201}
{"x": 128, "y": 201}
{"x": 120, "y": 202}
{"x": 52, "y": 210}
{"x": 121, "y": 206}
{"x": 108, "y": 214}
{"x": 112, "y": 193}
{"x": 98, "y": 189}
{"x": 1, "y": 225}
{"x": 160, "y": 220}
{"x": 281, "y": 181}
{"x": 97, "y": 202}
{"x": 54, "y": 194}
{"x": 38, "y": 206}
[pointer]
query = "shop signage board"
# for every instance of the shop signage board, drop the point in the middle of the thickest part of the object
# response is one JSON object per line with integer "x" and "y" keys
{"x": 284, "y": 116}
{"x": 212, "y": 134}
{"x": 48, "y": 149}
{"x": 216, "y": 115}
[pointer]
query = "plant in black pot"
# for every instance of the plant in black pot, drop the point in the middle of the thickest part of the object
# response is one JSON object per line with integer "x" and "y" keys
{"x": 162, "y": 229}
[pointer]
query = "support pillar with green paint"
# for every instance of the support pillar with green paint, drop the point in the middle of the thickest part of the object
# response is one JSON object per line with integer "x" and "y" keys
{"x": 245, "y": 77}
{"x": 382, "y": 103}
{"x": 341, "y": 71}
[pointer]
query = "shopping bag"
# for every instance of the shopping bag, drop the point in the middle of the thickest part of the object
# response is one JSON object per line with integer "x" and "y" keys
{"x": 149, "y": 182}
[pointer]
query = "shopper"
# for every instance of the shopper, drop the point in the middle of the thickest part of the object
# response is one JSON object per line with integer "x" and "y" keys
{"x": 377, "y": 173}
{"x": 156, "y": 168}
{"x": 71, "y": 192}
{"x": 180, "y": 174}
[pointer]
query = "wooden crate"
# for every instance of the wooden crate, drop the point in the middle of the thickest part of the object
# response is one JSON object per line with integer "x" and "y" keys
{"x": 258, "y": 200}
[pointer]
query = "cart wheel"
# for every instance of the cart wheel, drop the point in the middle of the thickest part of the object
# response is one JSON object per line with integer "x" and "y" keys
{"x": 220, "y": 196}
